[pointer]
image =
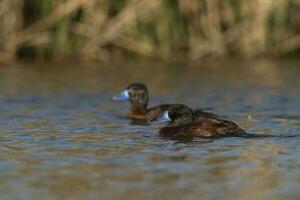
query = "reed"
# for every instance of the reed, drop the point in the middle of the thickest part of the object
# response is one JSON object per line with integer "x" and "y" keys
{"x": 164, "y": 29}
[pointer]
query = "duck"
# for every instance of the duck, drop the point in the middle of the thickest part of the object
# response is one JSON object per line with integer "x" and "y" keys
{"x": 182, "y": 123}
{"x": 138, "y": 96}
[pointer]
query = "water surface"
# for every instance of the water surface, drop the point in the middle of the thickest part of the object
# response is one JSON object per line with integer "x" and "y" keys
{"x": 61, "y": 137}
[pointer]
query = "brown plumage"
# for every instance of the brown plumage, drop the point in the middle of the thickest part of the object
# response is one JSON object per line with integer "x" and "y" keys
{"x": 183, "y": 123}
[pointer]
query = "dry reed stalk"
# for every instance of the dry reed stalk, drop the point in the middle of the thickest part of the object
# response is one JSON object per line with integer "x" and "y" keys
{"x": 140, "y": 47}
{"x": 214, "y": 27}
{"x": 6, "y": 58}
{"x": 98, "y": 11}
{"x": 296, "y": 2}
{"x": 60, "y": 11}
{"x": 259, "y": 43}
{"x": 279, "y": 32}
{"x": 261, "y": 11}
{"x": 211, "y": 41}
{"x": 124, "y": 41}
{"x": 10, "y": 22}
{"x": 121, "y": 23}
{"x": 286, "y": 46}
{"x": 206, "y": 47}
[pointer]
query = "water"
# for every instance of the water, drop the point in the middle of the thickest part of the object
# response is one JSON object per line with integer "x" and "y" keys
{"x": 61, "y": 137}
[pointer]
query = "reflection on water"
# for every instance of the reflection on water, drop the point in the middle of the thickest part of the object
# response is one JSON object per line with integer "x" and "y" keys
{"x": 62, "y": 138}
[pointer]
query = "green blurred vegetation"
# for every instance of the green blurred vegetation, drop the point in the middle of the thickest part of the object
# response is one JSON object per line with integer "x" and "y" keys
{"x": 164, "y": 29}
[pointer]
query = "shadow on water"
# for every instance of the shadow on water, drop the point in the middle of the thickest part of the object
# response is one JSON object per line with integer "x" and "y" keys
{"x": 62, "y": 138}
{"x": 205, "y": 140}
{"x": 257, "y": 136}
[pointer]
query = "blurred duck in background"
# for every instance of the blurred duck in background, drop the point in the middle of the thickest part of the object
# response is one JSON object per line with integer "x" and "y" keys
{"x": 138, "y": 96}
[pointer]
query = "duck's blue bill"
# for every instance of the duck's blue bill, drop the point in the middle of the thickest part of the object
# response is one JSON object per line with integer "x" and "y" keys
{"x": 122, "y": 96}
{"x": 164, "y": 117}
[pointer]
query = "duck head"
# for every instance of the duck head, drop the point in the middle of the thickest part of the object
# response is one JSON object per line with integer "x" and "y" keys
{"x": 137, "y": 94}
{"x": 176, "y": 115}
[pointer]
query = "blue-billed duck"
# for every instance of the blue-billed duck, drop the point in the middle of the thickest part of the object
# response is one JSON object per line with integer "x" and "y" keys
{"x": 137, "y": 95}
{"x": 183, "y": 123}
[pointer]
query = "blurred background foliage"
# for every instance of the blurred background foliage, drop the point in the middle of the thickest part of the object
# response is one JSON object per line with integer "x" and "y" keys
{"x": 158, "y": 29}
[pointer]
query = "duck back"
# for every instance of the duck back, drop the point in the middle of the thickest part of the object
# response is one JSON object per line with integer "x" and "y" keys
{"x": 204, "y": 127}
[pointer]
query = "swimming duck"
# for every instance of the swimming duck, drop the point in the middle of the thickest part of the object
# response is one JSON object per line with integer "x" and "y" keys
{"x": 183, "y": 123}
{"x": 137, "y": 95}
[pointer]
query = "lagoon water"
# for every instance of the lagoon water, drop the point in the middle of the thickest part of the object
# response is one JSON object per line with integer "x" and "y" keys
{"x": 61, "y": 136}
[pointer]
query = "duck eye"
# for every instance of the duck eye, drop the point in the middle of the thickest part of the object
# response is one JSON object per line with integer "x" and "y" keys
{"x": 171, "y": 115}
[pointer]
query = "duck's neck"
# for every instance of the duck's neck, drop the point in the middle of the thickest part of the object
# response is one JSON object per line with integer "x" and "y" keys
{"x": 138, "y": 110}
